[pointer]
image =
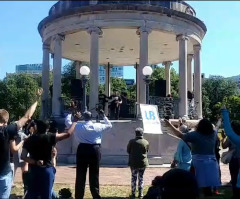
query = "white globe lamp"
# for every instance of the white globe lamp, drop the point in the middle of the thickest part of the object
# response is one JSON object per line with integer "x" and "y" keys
{"x": 147, "y": 71}
{"x": 84, "y": 70}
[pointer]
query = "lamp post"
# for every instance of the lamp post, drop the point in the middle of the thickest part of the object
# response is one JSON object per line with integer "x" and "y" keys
{"x": 147, "y": 72}
{"x": 84, "y": 71}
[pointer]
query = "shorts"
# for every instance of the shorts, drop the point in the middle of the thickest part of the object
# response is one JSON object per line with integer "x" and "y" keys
{"x": 6, "y": 185}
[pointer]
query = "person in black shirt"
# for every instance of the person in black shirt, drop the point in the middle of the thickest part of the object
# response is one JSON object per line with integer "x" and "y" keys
{"x": 115, "y": 103}
{"x": 8, "y": 134}
{"x": 39, "y": 147}
{"x": 102, "y": 98}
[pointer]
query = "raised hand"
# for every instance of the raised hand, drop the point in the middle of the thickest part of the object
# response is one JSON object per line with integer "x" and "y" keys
{"x": 168, "y": 123}
{"x": 180, "y": 120}
{"x": 39, "y": 92}
{"x": 77, "y": 116}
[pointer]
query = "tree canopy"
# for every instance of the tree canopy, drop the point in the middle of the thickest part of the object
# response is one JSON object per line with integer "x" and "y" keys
{"x": 159, "y": 74}
{"x": 217, "y": 90}
{"x": 17, "y": 93}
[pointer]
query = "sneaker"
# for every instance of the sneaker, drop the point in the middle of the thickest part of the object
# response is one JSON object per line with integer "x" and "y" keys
{"x": 140, "y": 196}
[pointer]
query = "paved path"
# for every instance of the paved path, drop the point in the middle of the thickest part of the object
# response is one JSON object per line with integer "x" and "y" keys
{"x": 117, "y": 175}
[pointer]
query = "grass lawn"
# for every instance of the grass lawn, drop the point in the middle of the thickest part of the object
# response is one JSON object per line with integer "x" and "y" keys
{"x": 114, "y": 191}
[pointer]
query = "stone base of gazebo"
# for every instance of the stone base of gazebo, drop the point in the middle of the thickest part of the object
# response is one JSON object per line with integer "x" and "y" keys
{"x": 114, "y": 144}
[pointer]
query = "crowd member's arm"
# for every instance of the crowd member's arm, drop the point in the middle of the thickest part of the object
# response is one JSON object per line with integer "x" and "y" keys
{"x": 70, "y": 131}
{"x": 54, "y": 156}
{"x": 176, "y": 132}
{"x": 29, "y": 160}
{"x": 228, "y": 128}
{"x": 219, "y": 122}
{"x": 108, "y": 124}
{"x": 13, "y": 147}
{"x": 68, "y": 121}
{"x": 30, "y": 111}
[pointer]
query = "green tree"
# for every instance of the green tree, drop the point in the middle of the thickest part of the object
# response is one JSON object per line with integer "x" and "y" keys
{"x": 174, "y": 83}
{"x": 233, "y": 105}
{"x": 215, "y": 90}
{"x": 159, "y": 74}
{"x": 131, "y": 92}
{"x": 17, "y": 93}
{"x": 205, "y": 104}
{"x": 69, "y": 73}
{"x": 118, "y": 84}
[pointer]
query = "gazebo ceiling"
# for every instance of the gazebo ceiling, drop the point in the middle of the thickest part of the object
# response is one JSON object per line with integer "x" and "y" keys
{"x": 121, "y": 47}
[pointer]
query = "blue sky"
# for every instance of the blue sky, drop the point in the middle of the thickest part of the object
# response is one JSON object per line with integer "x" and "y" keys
{"x": 20, "y": 42}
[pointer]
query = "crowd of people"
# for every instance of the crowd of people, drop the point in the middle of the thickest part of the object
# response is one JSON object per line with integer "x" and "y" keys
{"x": 30, "y": 145}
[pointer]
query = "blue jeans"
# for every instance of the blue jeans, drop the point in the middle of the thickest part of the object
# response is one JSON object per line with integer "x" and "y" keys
{"x": 54, "y": 195}
{"x": 6, "y": 185}
{"x": 41, "y": 182}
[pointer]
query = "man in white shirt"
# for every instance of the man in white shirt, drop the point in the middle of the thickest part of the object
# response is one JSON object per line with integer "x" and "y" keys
{"x": 89, "y": 135}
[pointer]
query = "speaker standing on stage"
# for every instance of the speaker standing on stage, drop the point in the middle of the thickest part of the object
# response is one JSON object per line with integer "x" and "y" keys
{"x": 116, "y": 102}
{"x": 102, "y": 98}
{"x": 89, "y": 135}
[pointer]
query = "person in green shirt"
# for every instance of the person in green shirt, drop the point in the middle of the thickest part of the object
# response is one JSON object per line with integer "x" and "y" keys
{"x": 137, "y": 149}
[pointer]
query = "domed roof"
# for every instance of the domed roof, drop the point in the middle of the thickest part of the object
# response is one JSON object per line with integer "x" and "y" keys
{"x": 175, "y": 8}
{"x": 62, "y": 6}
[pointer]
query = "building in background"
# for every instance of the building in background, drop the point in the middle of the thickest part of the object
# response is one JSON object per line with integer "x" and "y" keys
{"x": 29, "y": 69}
{"x": 116, "y": 71}
{"x": 129, "y": 82}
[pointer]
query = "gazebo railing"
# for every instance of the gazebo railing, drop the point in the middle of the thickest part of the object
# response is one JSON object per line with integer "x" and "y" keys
{"x": 167, "y": 107}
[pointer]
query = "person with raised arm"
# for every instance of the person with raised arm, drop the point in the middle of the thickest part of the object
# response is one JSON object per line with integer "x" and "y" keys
{"x": 39, "y": 146}
{"x": 8, "y": 134}
{"x": 203, "y": 141}
{"x": 233, "y": 132}
{"x": 89, "y": 137}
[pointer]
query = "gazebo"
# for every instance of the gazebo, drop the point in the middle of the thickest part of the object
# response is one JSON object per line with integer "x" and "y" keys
{"x": 123, "y": 33}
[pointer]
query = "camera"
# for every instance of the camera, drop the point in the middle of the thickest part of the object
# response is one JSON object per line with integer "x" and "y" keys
{"x": 53, "y": 126}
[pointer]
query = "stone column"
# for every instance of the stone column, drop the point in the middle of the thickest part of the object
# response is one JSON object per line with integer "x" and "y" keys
{"x": 94, "y": 67}
{"x": 137, "y": 82}
{"x": 137, "y": 108}
{"x": 143, "y": 61}
{"x": 45, "y": 81}
{"x": 108, "y": 80}
{"x": 189, "y": 73}
{"x": 183, "y": 104}
{"x": 167, "y": 76}
{"x": 107, "y": 85}
{"x": 57, "y": 66}
{"x": 197, "y": 80}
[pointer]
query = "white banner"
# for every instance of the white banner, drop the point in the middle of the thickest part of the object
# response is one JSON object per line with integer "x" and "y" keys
{"x": 150, "y": 117}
